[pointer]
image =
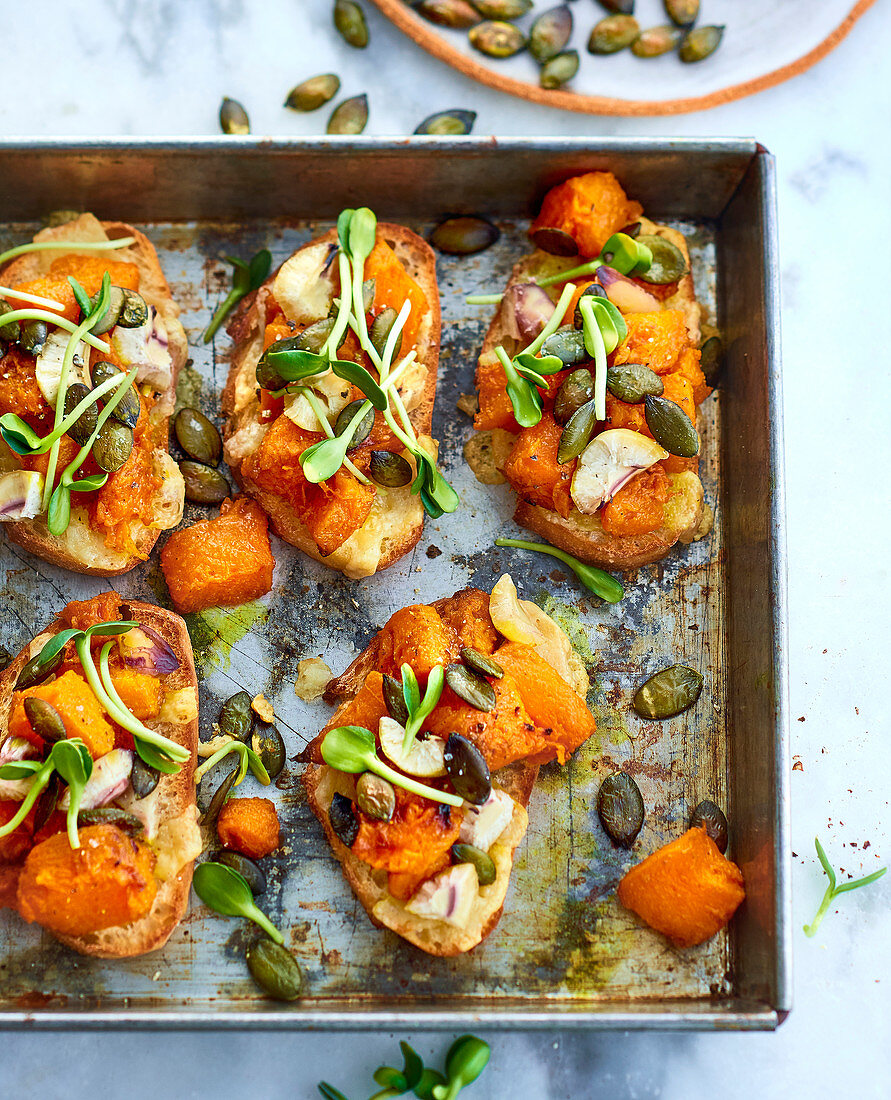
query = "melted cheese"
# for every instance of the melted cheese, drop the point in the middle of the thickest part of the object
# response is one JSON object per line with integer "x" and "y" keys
{"x": 178, "y": 843}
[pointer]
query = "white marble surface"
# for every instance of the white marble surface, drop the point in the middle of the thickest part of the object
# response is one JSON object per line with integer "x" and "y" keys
{"x": 133, "y": 67}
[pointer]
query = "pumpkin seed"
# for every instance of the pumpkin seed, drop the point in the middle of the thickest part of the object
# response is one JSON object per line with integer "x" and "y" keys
{"x": 550, "y": 33}
{"x": 618, "y": 7}
{"x": 668, "y": 693}
{"x": 313, "y": 93}
{"x": 134, "y": 311}
{"x": 110, "y": 317}
{"x": 275, "y": 970}
{"x": 233, "y": 117}
{"x": 502, "y": 9}
{"x": 343, "y": 820}
{"x": 656, "y": 41}
{"x": 111, "y": 815}
{"x": 632, "y": 230}
{"x": 363, "y": 429}
{"x": 468, "y": 770}
{"x": 252, "y": 873}
{"x": 497, "y": 39}
{"x": 394, "y": 700}
{"x": 671, "y": 427}
{"x": 112, "y": 446}
{"x": 220, "y": 797}
{"x": 380, "y": 330}
{"x": 594, "y": 290}
{"x": 451, "y": 122}
{"x": 568, "y": 344}
{"x": 204, "y": 484}
{"x": 479, "y": 662}
{"x": 682, "y": 12}
{"x": 464, "y": 235}
{"x": 350, "y": 116}
{"x": 349, "y": 19}
{"x": 313, "y": 338}
{"x": 44, "y": 719}
{"x": 555, "y": 241}
{"x": 375, "y": 796}
{"x": 668, "y": 264}
{"x": 33, "y": 337}
{"x": 144, "y": 778}
{"x": 559, "y": 70}
{"x": 389, "y": 469}
{"x": 632, "y": 382}
{"x": 368, "y": 294}
{"x": 620, "y": 808}
{"x": 470, "y": 687}
{"x": 5, "y": 658}
{"x": 47, "y": 802}
{"x": 614, "y": 33}
{"x": 128, "y": 408}
{"x": 34, "y": 672}
{"x": 482, "y": 861}
{"x": 81, "y": 430}
{"x": 197, "y": 436}
{"x": 12, "y": 329}
{"x": 710, "y": 816}
{"x": 576, "y": 390}
{"x": 711, "y": 359}
{"x": 700, "y": 43}
{"x": 578, "y": 431}
{"x": 457, "y": 14}
{"x": 269, "y": 745}
{"x": 236, "y": 715}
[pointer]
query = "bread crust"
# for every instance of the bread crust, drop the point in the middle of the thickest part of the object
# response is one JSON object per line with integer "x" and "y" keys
{"x": 175, "y": 793}
{"x": 246, "y": 329}
{"x": 33, "y": 535}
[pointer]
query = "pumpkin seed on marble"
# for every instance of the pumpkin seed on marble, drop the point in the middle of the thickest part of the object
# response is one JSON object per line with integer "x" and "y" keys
{"x": 485, "y": 866}
{"x": 112, "y": 446}
{"x": 656, "y": 41}
{"x": 470, "y": 687}
{"x": 457, "y": 14}
{"x": 380, "y": 332}
{"x": 669, "y": 692}
{"x": 568, "y": 344}
{"x": 618, "y": 7}
{"x": 612, "y": 34}
{"x": 350, "y": 116}
{"x": 394, "y": 700}
{"x": 468, "y": 770}
{"x": 448, "y": 123}
{"x": 363, "y": 428}
{"x": 375, "y": 796}
{"x": 700, "y": 43}
{"x": 550, "y": 33}
{"x": 197, "y": 436}
{"x": 82, "y": 429}
{"x": 204, "y": 484}
{"x": 128, "y": 408}
{"x": 12, "y": 329}
{"x": 559, "y": 70}
{"x": 711, "y": 358}
{"x": 557, "y": 242}
{"x": 479, "y": 662}
{"x": 313, "y": 93}
{"x": 275, "y": 970}
{"x": 682, "y": 12}
{"x": 671, "y": 427}
{"x": 669, "y": 263}
{"x": 620, "y": 808}
{"x": 233, "y": 117}
{"x": 464, "y": 235}
{"x": 711, "y": 816}
{"x": 251, "y": 872}
{"x": 349, "y": 19}
{"x": 502, "y": 9}
{"x": 576, "y": 390}
{"x": 632, "y": 382}
{"x": 342, "y": 819}
{"x": 44, "y": 719}
{"x": 389, "y": 469}
{"x": 236, "y": 715}
{"x": 220, "y": 797}
{"x": 578, "y": 431}
{"x": 33, "y": 336}
{"x": 497, "y": 39}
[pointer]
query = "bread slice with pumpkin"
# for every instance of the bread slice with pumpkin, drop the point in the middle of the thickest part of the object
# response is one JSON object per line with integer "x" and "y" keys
{"x": 422, "y": 777}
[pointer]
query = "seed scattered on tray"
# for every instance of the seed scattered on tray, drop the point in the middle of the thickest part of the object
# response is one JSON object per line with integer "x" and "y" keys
{"x": 233, "y": 117}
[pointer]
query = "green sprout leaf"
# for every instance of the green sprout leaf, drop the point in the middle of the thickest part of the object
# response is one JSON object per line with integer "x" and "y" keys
{"x": 20, "y": 769}
{"x": 343, "y": 229}
{"x": 80, "y": 296}
{"x": 41, "y": 778}
{"x": 55, "y": 645}
{"x": 411, "y": 693}
{"x": 18, "y": 436}
{"x": 833, "y": 891}
{"x": 249, "y": 759}
{"x": 154, "y": 758}
{"x": 59, "y": 512}
{"x": 418, "y": 715}
{"x": 468, "y": 1056}
{"x": 430, "y": 1078}
{"x": 596, "y": 348}
{"x": 625, "y": 255}
{"x": 596, "y": 580}
{"x": 227, "y": 893}
{"x": 362, "y": 379}
{"x": 246, "y": 277}
{"x": 72, "y": 760}
{"x": 323, "y": 459}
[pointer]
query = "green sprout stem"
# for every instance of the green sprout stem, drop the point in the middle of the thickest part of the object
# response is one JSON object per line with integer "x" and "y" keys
{"x": 54, "y": 319}
{"x": 41, "y": 778}
{"x": 416, "y": 719}
{"x": 595, "y": 347}
{"x": 345, "y": 305}
{"x": 34, "y": 299}
{"x": 248, "y": 759}
{"x": 375, "y": 764}
{"x": 833, "y": 891}
{"x": 67, "y": 246}
{"x": 599, "y": 582}
{"x": 121, "y": 383}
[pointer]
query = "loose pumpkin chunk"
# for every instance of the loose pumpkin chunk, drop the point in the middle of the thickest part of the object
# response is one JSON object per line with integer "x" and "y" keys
{"x": 590, "y": 208}
{"x": 655, "y": 340}
{"x": 220, "y": 562}
{"x": 686, "y": 890}
{"x": 78, "y": 708}
{"x": 250, "y": 826}
{"x": 417, "y": 636}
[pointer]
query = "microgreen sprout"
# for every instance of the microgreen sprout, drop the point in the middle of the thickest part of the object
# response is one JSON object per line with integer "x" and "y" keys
{"x": 468, "y": 1056}
{"x": 599, "y": 582}
{"x": 249, "y": 759}
{"x": 397, "y": 1082}
{"x": 833, "y": 890}
{"x": 227, "y": 893}
{"x": 71, "y": 759}
{"x": 246, "y": 277}
{"x": 323, "y": 459}
{"x": 34, "y": 299}
{"x": 67, "y": 246}
{"x": 419, "y": 709}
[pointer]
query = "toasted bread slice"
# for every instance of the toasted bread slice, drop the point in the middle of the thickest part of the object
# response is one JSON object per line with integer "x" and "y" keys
{"x": 81, "y": 548}
{"x": 397, "y": 519}
{"x": 177, "y": 841}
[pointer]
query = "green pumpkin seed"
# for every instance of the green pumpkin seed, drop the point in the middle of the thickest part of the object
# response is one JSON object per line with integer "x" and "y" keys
{"x": 682, "y": 12}
{"x": 620, "y": 808}
{"x": 594, "y": 290}
{"x": 5, "y": 658}
{"x": 632, "y": 231}
{"x": 470, "y": 687}
{"x": 710, "y": 816}
{"x": 468, "y": 770}
{"x": 559, "y": 70}
{"x": 204, "y": 484}
{"x": 220, "y": 797}
{"x": 671, "y": 427}
{"x": 44, "y": 719}
{"x": 614, "y": 33}
{"x": 380, "y": 330}
{"x": 389, "y": 469}
{"x": 669, "y": 263}
{"x": 81, "y": 430}
{"x": 368, "y": 295}
{"x": 269, "y": 745}
{"x": 134, "y": 311}
{"x": 313, "y": 93}
{"x": 618, "y": 7}
{"x": 464, "y": 236}
{"x": 236, "y": 716}
{"x": 47, "y": 802}
{"x": 656, "y": 41}
{"x": 275, "y": 970}
{"x": 113, "y": 446}
{"x": 502, "y": 9}
{"x": 482, "y": 861}
{"x": 233, "y": 117}
{"x": 363, "y": 428}
{"x": 349, "y": 19}
{"x": 110, "y": 317}
{"x": 568, "y": 344}
{"x": 578, "y": 431}
{"x": 712, "y": 359}
{"x": 632, "y": 382}
{"x": 349, "y": 117}
{"x": 252, "y": 873}
{"x": 375, "y": 796}
{"x": 144, "y": 778}
{"x": 457, "y": 14}
{"x": 34, "y": 672}
{"x": 576, "y": 390}
{"x": 479, "y": 662}
{"x": 550, "y": 33}
{"x": 497, "y": 39}
{"x": 668, "y": 693}
{"x": 12, "y": 329}
{"x": 555, "y": 241}
{"x": 394, "y": 700}
{"x": 448, "y": 123}
{"x": 197, "y": 436}
{"x": 111, "y": 815}
{"x": 343, "y": 820}
{"x": 700, "y": 43}
{"x": 33, "y": 337}
{"x": 128, "y": 408}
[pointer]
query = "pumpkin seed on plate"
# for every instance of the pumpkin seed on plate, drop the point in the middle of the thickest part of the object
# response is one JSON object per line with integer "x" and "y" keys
{"x": 669, "y": 692}
{"x": 112, "y": 446}
{"x": 455, "y": 121}
{"x": 632, "y": 382}
{"x": 620, "y": 808}
{"x": 342, "y": 819}
{"x": 275, "y": 970}
{"x": 669, "y": 263}
{"x": 682, "y": 12}
{"x": 464, "y": 235}
{"x": 497, "y": 39}
{"x": 619, "y": 7}
{"x": 112, "y": 311}
{"x": 362, "y": 429}
{"x": 197, "y": 436}
{"x": 349, "y": 19}
{"x": 470, "y": 687}
{"x": 559, "y": 70}
{"x": 47, "y": 802}
{"x": 350, "y": 116}
{"x": 204, "y": 484}
{"x": 233, "y": 117}
{"x": 81, "y": 430}
{"x": 576, "y": 390}
{"x": 482, "y": 861}
{"x": 457, "y": 14}
{"x": 313, "y": 93}
{"x": 568, "y": 344}
{"x": 389, "y": 469}
{"x": 711, "y": 359}
{"x": 44, "y": 719}
{"x": 380, "y": 331}
{"x": 468, "y": 770}
{"x": 251, "y": 872}
{"x": 632, "y": 230}
{"x": 502, "y": 9}
{"x": 375, "y": 796}
{"x": 710, "y": 816}
{"x": 700, "y": 43}
{"x": 671, "y": 427}
{"x": 35, "y": 672}
{"x": 614, "y": 33}
{"x": 479, "y": 662}
{"x": 236, "y": 715}
{"x": 656, "y": 41}
{"x": 111, "y": 815}
{"x": 394, "y": 700}
{"x": 578, "y": 431}
{"x": 220, "y": 797}
{"x": 128, "y": 408}
{"x": 33, "y": 336}
{"x": 550, "y": 33}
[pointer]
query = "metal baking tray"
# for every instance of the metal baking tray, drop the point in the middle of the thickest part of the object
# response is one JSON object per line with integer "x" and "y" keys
{"x": 565, "y": 953}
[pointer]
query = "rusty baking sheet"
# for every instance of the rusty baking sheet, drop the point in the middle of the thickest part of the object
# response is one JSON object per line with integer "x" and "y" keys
{"x": 565, "y": 951}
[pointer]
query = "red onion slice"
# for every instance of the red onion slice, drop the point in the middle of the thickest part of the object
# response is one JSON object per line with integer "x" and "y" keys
{"x": 527, "y": 309}
{"x": 626, "y": 295}
{"x": 144, "y": 650}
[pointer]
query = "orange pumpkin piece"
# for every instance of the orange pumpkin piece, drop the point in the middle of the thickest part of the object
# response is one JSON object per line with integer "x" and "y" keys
{"x": 250, "y": 826}
{"x": 19, "y": 392}
{"x": 687, "y": 890}
{"x": 688, "y": 366}
{"x": 78, "y": 708}
{"x": 419, "y": 833}
{"x": 417, "y": 636}
{"x": 403, "y": 884}
{"x": 590, "y": 208}
{"x": 107, "y": 882}
{"x": 9, "y": 885}
{"x": 496, "y": 410}
{"x": 654, "y": 340}
{"x": 533, "y": 470}
{"x": 82, "y": 614}
{"x": 14, "y": 845}
{"x": 367, "y": 706}
{"x": 89, "y": 269}
{"x": 393, "y": 286}
{"x": 639, "y": 506}
{"x": 140, "y": 693}
{"x": 467, "y": 612}
{"x": 336, "y": 509}
{"x": 220, "y": 562}
{"x": 580, "y": 288}
{"x": 275, "y": 465}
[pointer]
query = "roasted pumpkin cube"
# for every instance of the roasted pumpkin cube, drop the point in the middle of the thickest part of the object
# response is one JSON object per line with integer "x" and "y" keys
{"x": 250, "y": 826}
{"x": 533, "y": 470}
{"x": 590, "y": 208}
{"x": 417, "y": 636}
{"x": 655, "y": 340}
{"x": 78, "y": 708}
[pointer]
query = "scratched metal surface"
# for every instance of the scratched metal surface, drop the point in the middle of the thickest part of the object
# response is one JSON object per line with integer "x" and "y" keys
{"x": 563, "y": 937}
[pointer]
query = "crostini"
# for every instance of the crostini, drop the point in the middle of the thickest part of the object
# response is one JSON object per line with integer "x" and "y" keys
{"x": 591, "y": 367}
{"x": 98, "y": 739}
{"x": 422, "y": 777}
{"x": 330, "y": 395}
{"x": 91, "y": 349}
